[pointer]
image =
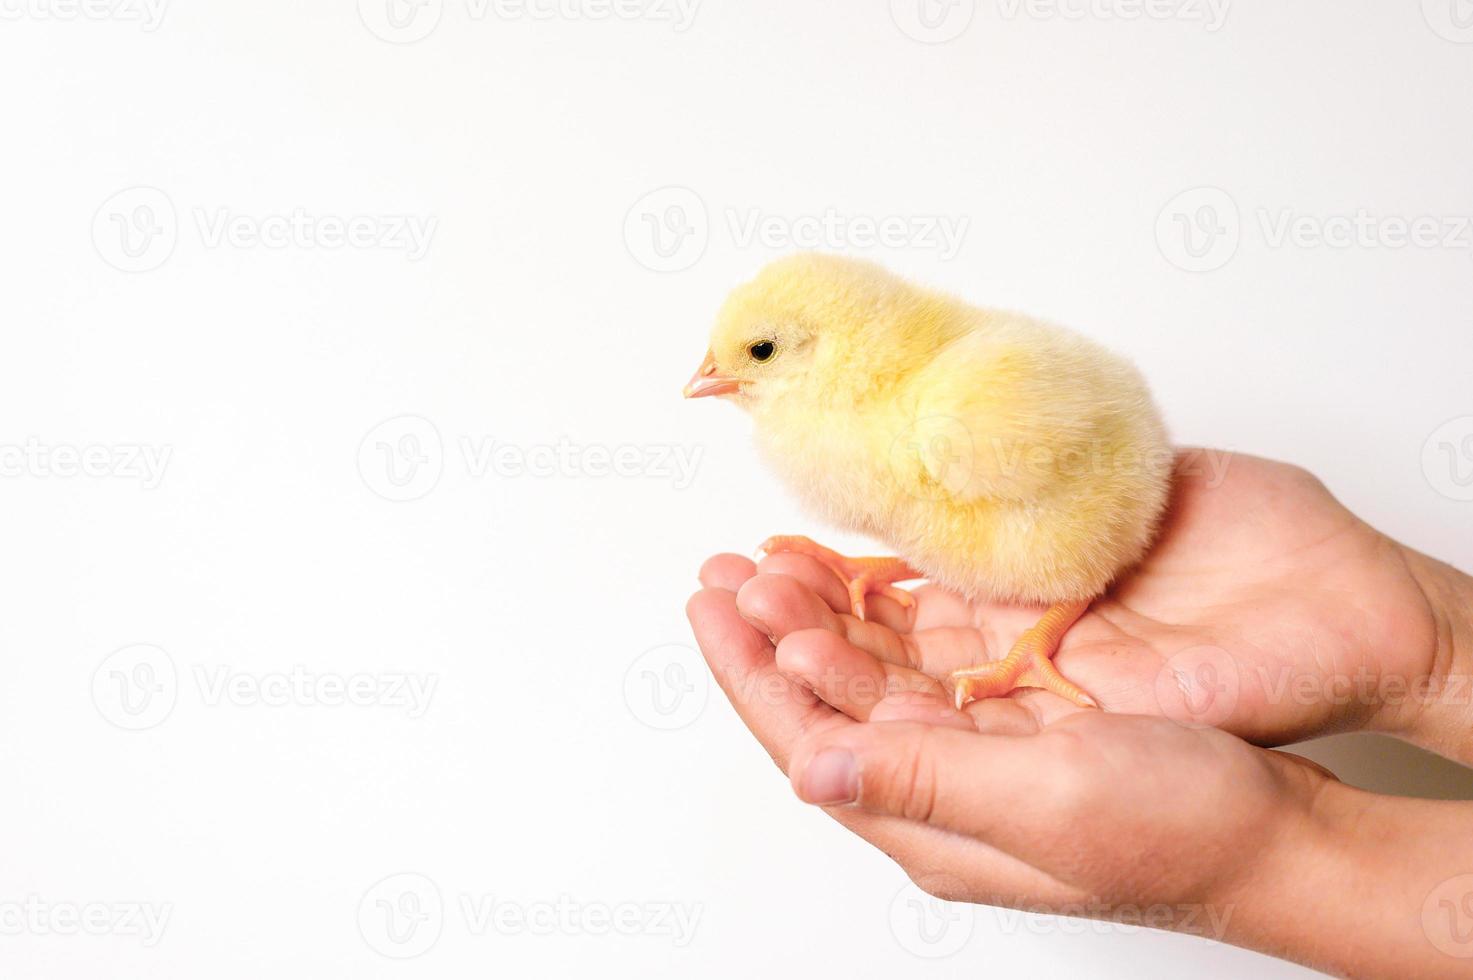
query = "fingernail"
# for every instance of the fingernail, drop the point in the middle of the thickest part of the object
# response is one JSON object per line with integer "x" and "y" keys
{"x": 831, "y": 778}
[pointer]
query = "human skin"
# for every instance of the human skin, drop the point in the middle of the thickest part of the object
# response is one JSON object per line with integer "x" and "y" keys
{"x": 1266, "y": 610}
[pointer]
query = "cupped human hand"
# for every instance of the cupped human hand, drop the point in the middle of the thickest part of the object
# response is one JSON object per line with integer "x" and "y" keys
{"x": 1086, "y": 813}
{"x": 1265, "y": 609}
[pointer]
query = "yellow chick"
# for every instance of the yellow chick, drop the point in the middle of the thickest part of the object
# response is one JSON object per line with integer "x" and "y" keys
{"x": 1003, "y": 458}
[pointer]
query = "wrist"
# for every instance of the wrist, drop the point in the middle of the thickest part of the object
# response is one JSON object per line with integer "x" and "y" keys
{"x": 1355, "y": 883}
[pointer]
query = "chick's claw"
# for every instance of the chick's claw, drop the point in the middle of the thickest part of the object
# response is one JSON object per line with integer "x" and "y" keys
{"x": 1028, "y": 664}
{"x": 861, "y": 577}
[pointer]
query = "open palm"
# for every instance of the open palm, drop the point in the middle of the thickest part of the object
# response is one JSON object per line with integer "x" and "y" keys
{"x": 1265, "y": 609}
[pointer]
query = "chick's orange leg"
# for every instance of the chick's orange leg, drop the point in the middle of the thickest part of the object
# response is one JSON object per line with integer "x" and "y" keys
{"x": 1028, "y": 664}
{"x": 861, "y": 576}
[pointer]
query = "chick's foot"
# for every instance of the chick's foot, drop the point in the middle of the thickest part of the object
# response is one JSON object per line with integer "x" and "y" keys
{"x": 1028, "y": 664}
{"x": 861, "y": 576}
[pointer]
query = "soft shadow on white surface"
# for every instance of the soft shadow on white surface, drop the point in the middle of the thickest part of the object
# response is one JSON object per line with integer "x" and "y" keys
{"x": 1383, "y": 764}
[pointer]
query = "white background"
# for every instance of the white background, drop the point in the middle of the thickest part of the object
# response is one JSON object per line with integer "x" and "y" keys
{"x": 537, "y": 774}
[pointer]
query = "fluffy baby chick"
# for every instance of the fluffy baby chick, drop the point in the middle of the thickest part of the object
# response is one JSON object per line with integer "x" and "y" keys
{"x": 1000, "y": 457}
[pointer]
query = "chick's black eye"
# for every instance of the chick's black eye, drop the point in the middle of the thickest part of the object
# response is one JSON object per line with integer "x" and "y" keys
{"x": 762, "y": 350}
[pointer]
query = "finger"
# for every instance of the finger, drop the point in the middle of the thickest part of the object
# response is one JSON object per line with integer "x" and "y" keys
{"x": 727, "y": 572}
{"x": 842, "y": 674}
{"x": 780, "y": 605}
{"x": 958, "y": 868}
{"x": 776, "y": 710}
{"x": 998, "y": 623}
{"x": 922, "y": 708}
{"x": 940, "y": 650}
{"x": 822, "y": 580}
{"x": 812, "y": 573}
{"x": 1013, "y": 793}
{"x": 991, "y": 716}
{"x": 742, "y": 661}
{"x": 1012, "y": 716}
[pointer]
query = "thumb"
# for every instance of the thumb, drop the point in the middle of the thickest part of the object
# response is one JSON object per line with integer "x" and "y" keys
{"x": 992, "y": 787}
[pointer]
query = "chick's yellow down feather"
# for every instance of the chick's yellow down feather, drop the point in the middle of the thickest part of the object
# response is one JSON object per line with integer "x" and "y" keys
{"x": 1000, "y": 457}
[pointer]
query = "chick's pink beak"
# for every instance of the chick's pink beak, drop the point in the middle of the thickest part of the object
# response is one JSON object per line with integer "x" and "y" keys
{"x": 707, "y": 382}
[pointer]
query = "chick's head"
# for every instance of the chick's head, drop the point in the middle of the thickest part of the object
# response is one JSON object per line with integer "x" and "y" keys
{"x": 814, "y": 326}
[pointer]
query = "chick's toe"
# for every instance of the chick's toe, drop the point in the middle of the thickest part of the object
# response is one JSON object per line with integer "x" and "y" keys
{"x": 861, "y": 577}
{"x": 1028, "y": 664}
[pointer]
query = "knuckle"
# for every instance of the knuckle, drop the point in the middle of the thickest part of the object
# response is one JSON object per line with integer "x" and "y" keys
{"x": 913, "y": 783}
